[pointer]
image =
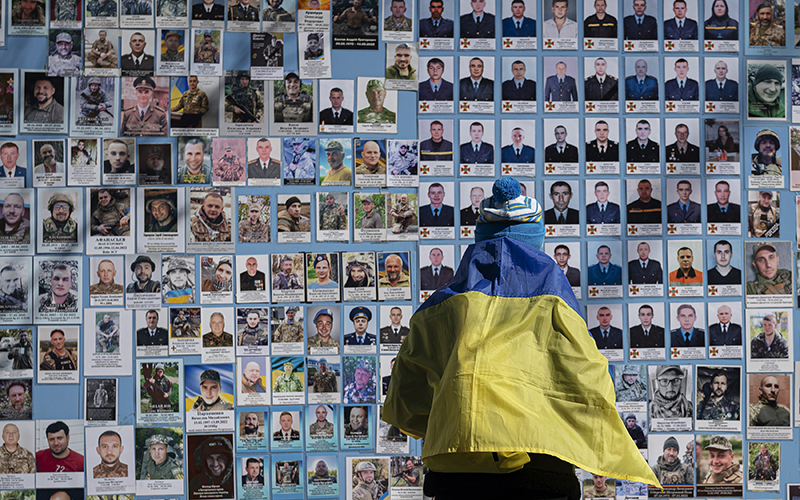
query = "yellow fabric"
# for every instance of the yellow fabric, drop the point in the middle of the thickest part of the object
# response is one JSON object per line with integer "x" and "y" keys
{"x": 481, "y": 374}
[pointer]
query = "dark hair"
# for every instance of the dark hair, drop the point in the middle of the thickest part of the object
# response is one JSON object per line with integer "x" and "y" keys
{"x": 56, "y": 427}
{"x": 109, "y": 433}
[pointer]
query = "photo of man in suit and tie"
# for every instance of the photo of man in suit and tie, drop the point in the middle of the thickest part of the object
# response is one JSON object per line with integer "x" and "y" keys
{"x": 518, "y": 151}
{"x": 562, "y": 254}
{"x": 436, "y": 213}
{"x": 602, "y": 148}
{"x": 475, "y": 87}
{"x": 606, "y": 335}
{"x": 436, "y": 274}
{"x": 644, "y": 270}
{"x": 641, "y": 149}
{"x": 600, "y": 86}
{"x": 436, "y": 88}
{"x": 725, "y": 331}
{"x": 468, "y": 216}
{"x": 561, "y": 151}
{"x": 517, "y": 25}
{"x": 639, "y": 26}
{"x": 602, "y": 210}
{"x": 682, "y": 151}
{"x": 722, "y": 88}
{"x": 604, "y": 272}
{"x": 646, "y": 334}
{"x": 679, "y": 27}
{"x": 478, "y": 23}
{"x": 561, "y": 194}
{"x": 560, "y": 87}
{"x": 436, "y": 26}
{"x": 685, "y": 210}
{"x": 476, "y": 150}
{"x": 682, "y": 88}
{"x": 519, "y": 88}
{"x": 641, "y": 86}
{"x": 686, "y": 334}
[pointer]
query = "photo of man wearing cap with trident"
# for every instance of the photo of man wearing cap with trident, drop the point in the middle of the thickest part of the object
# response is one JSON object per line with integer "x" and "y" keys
{"x": 144, "y": 118}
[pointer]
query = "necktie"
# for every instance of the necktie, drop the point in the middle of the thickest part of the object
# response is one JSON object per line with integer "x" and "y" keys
{"x": 724, "y": 329}
{"x": 605, "y": 269}
{"x": 602, "y": 149}
{"x": 685, "y": 211}
{"x": 435, "y": 213}
{"x": 720, "y": 85}
{"x": 723, "y": 210}
{"x": 601, "y": 87}
{"x": 360, "y": 340}
{"x": 435, "y": 89}
{"x": 681, "y": 149}
{"x": 478, "y": 20}
{"x": 561, "y": 218}
{"x": 436, "y": 24}
{"x": 602, "y": 211}
{"x": 517, "y": 153}
{"x": 680, "y": 24}
{"x": 641, "y": 83}
{"x": 336, "y": 115}
{"x": 560, "y": 149}
{"x": 141, "y": 115}
{"x": 642, "y": 146}
{"x": 561, "y": 81}
{"x": 136, "y": 65}
{"x": 435, "y": 273}
{"x": 680, "y": 85}
{"x": 605, "y": 334}
{"x": 476, "y": 149}
{"x": 396, "y": 331}
{"x": 640, "y": 22}
{"x": 644, "y": 266}
{"x": 519, "y": 25}
{"x": 646, "y": 333}
{"x": 519, "y": 85}
{"x": 476, "y": 87}
{"x": 687, "y": 337}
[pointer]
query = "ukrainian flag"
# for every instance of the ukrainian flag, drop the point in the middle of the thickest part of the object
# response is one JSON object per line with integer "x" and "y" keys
{"x": 181, "y": 86}
{"x": 501, "y": 362}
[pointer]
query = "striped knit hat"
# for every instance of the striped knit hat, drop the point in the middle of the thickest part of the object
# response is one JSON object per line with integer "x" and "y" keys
{"x": 509, "y": 213}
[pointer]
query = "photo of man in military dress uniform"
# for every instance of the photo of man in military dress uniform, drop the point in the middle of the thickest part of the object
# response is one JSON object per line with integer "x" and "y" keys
{"x": 144, "y": 118}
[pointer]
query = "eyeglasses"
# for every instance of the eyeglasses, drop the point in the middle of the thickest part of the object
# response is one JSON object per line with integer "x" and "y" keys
{"x": 662, "y": 382}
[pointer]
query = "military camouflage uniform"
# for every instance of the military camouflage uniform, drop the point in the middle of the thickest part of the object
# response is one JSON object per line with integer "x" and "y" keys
{"x": 52, "y": 361}
{"x": 241, "y": 13}
{"x": 591, "y": 492}
{"x": 325, "y": 382}
{"x": 9, "y": 413}
{"x": 316, "y": 341}
{"x": 676, "y": 473}
{"x": 402, "y": 164}
{"x": 321, "y": 431}
{"x": 286, "y": 282}
{"x": 332, "y": 218}
{"x": 760, "y": 350}
{"x": 762, "y": 413}
{"x": 159, "y": 392}
{"x": 66, "y": 10}
{"x": 309, "y": 54}
{"x": 407, "y": 217}
{"x": 287, "y": 384}
{"x": 724, "y": 409}
{"x": 363, "y": 169}
{"x": 367, "y": 115}
{"x": 364, "y": 395}
{"x": 765, "y": 467}
{"x": 781, "y": 285}
{"x": 184, "y": 177}
{"x": 37, "y": 17}
{"x": 168, "y": 469}
{"x": 178, "y": 56}
{"x": 634, "y": 392}
{"x": 288, "y": 332}
{"x": 193, "y": 101}
{"x": 110, "y": 215}
{"x": 294, "y": 110}
{"x": 224, "y": 340}
{"x": 253, "y": 336}
{"x": 137, "y": 8}
{"x": 57, "y": 233}
{"x": 218, "y": 405}
{"x": 280, "y": 15}
{"x": 762, "y": 221}
{"x": 46, "y": 303}
{"x": 373, "y": 221}
{"x": 389, "y": 24}
{"x": 772, "y": 36}
{"x": 229, "y": 169}
{"x": 364, "y": 491}
{"x": 171, "y": 8}
{"x": 204, "y": 230}
{"x": 21, "y": 461}
{"x": 118, "y": 470}
{"x": 64, "y": 66}
{"x": 102, "y": 46}
{"x": 758, "y": 168}
{"x": 90, "y": 102}
{"x": 253, "y": 233}
{"x": 249, "y": 98}
{"x": 103, "y": 289}
{"x": 731, "y": 475}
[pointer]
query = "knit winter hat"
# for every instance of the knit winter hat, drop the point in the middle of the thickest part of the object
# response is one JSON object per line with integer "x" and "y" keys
{"x": 509, "y": 213}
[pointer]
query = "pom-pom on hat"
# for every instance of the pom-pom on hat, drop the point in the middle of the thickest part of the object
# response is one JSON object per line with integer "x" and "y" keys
{"x": 509, "y": 213}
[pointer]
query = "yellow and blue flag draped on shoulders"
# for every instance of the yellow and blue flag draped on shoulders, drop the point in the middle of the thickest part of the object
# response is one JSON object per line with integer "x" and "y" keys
{"x": 500, "y": 364}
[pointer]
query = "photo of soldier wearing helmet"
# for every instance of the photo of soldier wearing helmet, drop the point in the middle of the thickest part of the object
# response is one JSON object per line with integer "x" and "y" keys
{"x": 244, "y": 102}
{"x": 60, "y": 226}
{"x": 161, "y": 211}
{"x": 211, "y": 471}
{"x": 96, "y": 98}
{"x": 370, "y": 478}
{"x": 766, "y": 160}
{"x": 178, "y": 279}
{"x": 160, "y": 454}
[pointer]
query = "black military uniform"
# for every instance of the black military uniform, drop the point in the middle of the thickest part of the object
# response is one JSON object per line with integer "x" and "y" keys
{"x": 637, "y": 154}
{"x": 593, "y": 152}
{"x": 607, "y": 91}
{"x": 691, "y": 153}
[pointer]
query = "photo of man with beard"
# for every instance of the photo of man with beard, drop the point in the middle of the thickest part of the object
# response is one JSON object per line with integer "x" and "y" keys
{"x": 209, "y": 223}
{"x": 668, "y": 399}
{"x": 253, "y": 428}
{"x": 211, "y": 471}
